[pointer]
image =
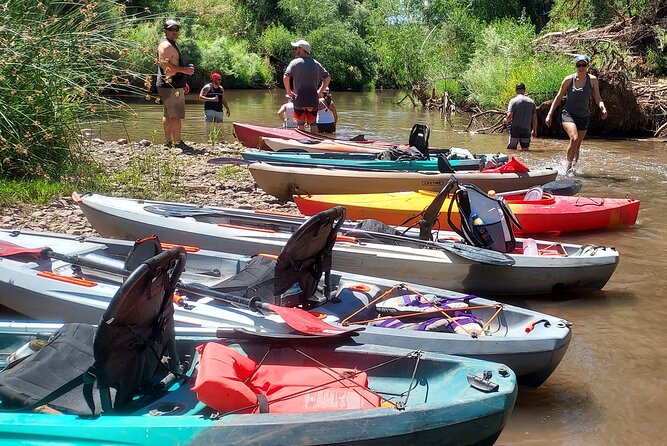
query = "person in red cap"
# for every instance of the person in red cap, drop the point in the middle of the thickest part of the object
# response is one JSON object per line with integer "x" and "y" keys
{"x": 213, "y": 96}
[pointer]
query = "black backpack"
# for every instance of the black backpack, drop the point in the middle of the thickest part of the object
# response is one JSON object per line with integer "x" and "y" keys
{"x": 493, "y": 226}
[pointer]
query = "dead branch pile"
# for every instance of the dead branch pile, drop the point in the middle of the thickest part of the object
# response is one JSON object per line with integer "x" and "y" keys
{"x": 497, "y": 126}
{"x": 424, "y": 93}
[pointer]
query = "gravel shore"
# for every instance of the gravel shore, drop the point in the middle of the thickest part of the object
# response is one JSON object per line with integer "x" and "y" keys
{"x": 197, "y": 182}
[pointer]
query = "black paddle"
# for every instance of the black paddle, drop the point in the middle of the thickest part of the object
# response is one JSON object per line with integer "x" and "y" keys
{"x": 430, "y": 214}
{"x": 468, "y": 252}
{"x": 298, "y": 319}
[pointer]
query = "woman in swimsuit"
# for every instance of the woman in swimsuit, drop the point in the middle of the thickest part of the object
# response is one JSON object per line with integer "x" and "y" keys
{"x": 575, "y": 116}
{"x": 327, "y": 116}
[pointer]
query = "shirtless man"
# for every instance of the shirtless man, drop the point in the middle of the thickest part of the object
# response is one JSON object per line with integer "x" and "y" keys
{"x": 172, "y": 86}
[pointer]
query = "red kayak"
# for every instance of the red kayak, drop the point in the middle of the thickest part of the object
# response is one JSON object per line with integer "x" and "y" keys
{"x": 550, "y": 214}
{"x": 249, "y": 135}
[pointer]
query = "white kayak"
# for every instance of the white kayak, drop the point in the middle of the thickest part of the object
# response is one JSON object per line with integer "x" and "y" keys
{"x": 443, "y": 264}
{"x": 55, "y": 288}
{"x": 283, "y": 181}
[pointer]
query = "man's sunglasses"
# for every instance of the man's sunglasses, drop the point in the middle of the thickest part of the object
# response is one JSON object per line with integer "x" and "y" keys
{"x": 581, "y": 65}
{"x": 174, "y": 28}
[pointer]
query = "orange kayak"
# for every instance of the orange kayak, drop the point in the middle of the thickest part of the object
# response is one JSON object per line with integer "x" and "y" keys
{"x": 551, "y": 214}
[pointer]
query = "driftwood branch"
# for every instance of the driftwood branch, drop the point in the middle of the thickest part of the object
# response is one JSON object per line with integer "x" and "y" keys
{"x": 474, "y": 117}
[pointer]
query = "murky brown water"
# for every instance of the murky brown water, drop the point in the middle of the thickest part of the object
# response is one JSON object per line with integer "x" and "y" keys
{"x": 611, "y": 387}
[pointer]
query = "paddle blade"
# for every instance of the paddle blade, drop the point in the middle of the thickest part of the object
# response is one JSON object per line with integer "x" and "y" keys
{"x": 565, "y": 186}
{"x": 304, "y": 322}
{"x": 477, "y": 254}
{"x": 8, "y": 249}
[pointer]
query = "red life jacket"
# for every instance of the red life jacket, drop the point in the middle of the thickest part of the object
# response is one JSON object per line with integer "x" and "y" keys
{"x": 512, "y": 166}
{"x": 227, "y": 381}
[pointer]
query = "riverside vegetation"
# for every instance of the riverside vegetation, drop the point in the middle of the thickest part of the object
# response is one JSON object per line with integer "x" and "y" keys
{"x": 66, "y": 63}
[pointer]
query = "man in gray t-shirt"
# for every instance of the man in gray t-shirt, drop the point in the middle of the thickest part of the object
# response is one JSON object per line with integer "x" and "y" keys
{"x": 306, "y": 73}
{"x": 521, "y": 112}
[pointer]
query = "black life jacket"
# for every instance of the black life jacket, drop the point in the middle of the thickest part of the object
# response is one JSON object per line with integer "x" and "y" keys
{"x": 494, "y": 229}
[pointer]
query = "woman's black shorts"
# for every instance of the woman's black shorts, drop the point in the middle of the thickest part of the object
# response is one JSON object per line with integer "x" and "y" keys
{"x": 580, "y": 121}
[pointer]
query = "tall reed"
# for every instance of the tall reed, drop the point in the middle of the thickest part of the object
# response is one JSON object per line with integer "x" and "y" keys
{"x": 61, "y": 63}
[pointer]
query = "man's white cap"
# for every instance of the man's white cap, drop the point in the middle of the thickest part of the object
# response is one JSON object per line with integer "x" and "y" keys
{"x": 302, "y": 44}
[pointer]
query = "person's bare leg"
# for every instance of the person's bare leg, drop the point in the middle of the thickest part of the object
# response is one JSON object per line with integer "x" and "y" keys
{"x": 313, "y": 128}
{"x": 573, "y": 134}
{"x": 166, "y": 125}
{"x": 580, "y": 138}
{"x": 175, "y": 125}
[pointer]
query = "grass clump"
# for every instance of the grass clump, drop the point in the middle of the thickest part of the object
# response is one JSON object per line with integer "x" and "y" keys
{"x": 151, "y": 175}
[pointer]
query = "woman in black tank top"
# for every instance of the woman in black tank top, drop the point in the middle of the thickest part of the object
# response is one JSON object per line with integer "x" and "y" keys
{"x": 578, "y": 88}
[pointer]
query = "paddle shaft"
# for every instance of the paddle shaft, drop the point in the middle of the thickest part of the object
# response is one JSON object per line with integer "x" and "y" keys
{"x": 199, "y": 290}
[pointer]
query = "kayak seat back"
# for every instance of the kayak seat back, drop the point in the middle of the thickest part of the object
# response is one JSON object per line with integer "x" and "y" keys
{"x": 418, "y": 139}
{"x": 292, "y": 278}
{"x": 228, "y": 381}
{"x": 122, "y": 358}
{"x": 534, "y": 194}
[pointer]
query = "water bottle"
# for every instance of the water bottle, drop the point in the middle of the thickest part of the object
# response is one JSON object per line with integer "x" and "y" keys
{"x": 530, "y": 247}
{"x": 480, "y": 229}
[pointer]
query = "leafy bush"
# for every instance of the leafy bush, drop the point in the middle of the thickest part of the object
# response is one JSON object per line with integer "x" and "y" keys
{"x": 142, "y": 56}
{"x": 503, "y": 53}
{"x": 275, "y": 42}
{"x": 399, "y": 65}
{"x": 240, "y": 68}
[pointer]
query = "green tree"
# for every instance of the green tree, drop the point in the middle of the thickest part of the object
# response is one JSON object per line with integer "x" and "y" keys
{"x": 345, "y": 56}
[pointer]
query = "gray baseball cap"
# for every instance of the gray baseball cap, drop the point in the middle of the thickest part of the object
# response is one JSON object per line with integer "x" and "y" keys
{"x": 302, "y": 44}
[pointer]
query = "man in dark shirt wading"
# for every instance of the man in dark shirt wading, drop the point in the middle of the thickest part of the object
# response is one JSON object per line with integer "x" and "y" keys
{"x": 521, "y": 112}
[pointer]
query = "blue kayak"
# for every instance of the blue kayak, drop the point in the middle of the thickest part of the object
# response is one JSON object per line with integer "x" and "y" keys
{"x": 370, "y": 161}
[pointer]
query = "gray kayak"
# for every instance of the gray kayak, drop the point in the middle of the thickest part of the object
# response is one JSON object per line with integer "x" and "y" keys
{"x": 530, "y": 343}
{"x": 444, "y": 264}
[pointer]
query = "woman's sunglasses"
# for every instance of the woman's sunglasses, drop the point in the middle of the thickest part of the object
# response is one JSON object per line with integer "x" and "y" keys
{"x": 582, "y": 64}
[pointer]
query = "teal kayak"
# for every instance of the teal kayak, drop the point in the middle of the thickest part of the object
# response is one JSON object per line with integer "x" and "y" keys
{"x": 370, "y": 161}
{"x": 438, "y": 405}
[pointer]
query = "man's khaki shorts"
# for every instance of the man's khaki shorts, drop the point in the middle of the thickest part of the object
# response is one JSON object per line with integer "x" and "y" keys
{"x": 173, "y": 100}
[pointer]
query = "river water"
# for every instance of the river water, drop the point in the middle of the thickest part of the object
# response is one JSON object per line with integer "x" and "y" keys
{"x": 611, "y": 387}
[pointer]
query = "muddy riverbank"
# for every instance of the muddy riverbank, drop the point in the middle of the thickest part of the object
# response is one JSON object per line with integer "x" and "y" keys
{"x": 196, "y": 181}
